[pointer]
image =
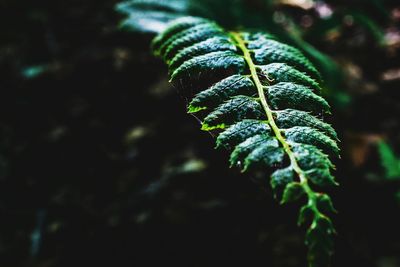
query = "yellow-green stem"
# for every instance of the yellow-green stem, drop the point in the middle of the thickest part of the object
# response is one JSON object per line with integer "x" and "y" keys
{"x": 241, "y": 44}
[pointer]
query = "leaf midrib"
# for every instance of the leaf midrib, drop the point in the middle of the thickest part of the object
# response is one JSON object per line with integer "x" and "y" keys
{"x": 241, "y": 44}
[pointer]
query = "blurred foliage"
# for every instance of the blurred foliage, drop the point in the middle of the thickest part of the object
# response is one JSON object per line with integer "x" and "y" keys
{"x": 390, "y": 162}
{"x": 391, "y": 165}
{"x": 99, "y": 165}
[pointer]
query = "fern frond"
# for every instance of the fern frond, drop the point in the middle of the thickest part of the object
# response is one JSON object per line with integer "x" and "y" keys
{"x": 289, "y": 95}
{"x": 262, "y": 97}
{"x": 389, "y": 160}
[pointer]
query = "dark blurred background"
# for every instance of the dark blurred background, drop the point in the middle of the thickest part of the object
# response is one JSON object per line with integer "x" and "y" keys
{"x": 101, "y": 165}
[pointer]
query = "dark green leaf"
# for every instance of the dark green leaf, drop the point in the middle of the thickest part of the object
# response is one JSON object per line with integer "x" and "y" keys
{"x": 292, "y": 192}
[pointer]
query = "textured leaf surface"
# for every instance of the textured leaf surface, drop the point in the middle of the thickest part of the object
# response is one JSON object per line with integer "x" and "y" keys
{"x": 290, "y": 95}
{"x": 194, "y": 68}
{"x": 241, "y": 131}
{"x": 293, "y": 191}
{"x": 275, "y": 52}
{"x": 281, "y": 72}
{"x": 311, "y": 136}
{"x": 289, "y": 118}
{"x": 221, "y": 92}
{"x": 282, "y": 177}
{"x": 213, "y": 44}
{"x": 262, "y": 99}
{"x": 234, "y": 110}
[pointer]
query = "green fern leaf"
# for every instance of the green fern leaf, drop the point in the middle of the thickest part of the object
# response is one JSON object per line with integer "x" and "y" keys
{"x": 199, "y": 67}
{"x": 293, "y": 191}
{"x": 240, "y": 132}
{"x": 213, "y": 44}
{"x": 257, "y": 149}
{"x": 324, "y": 202}
{"x": 176, "y": 26}
{"x": 289, "y": 118}
{"x": 280, "y": 178}
{"x": 234, "y": 110}
{"x": 186, "y": 38}
{"x": 311, "y": 136}
{"x": 389, "y": 161}
{"x": 262, "y": 98}
{"x": 290, "y": 95}
{"x": 221, "y": 92}
{"x": 275, "y": 52}
{"x": 281, "y": 72}
{"x": 269, "y": 154}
